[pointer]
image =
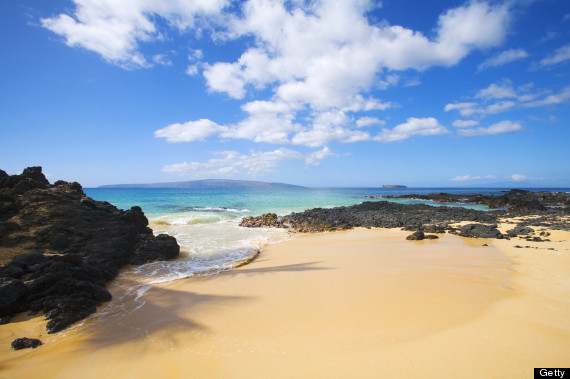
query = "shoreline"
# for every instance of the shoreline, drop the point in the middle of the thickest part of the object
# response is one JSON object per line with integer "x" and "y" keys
{"x": 357, "y": 303}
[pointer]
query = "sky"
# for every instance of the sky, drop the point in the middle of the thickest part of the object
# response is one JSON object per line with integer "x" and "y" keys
{"x": 349, "y": 93}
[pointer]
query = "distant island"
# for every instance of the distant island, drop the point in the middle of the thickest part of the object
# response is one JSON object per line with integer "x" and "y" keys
{"x": 393, "y": 186}
{"x": 207, "y": 184}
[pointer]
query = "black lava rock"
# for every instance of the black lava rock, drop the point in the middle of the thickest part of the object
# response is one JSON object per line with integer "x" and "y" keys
{"x": 25, "y": 343}
{"x": 480, "y": 231}
{"x": 520, "y": 230}
{"x": 73, "y": 246}
{"x": 416, "y": 236}
{"x": 383, "y": 214}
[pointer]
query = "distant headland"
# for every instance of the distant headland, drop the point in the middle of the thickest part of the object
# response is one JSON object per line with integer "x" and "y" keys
{"x": 393, "y": 186}
{"x": 208, "y": 184}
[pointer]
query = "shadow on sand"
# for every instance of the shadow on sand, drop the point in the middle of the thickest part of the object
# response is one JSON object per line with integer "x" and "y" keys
{"x": 163, "y": 311}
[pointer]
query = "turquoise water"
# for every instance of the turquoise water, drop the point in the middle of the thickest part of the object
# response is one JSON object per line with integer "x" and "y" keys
{"x": 239, "y": 202}
{"x": 205, "y": 222}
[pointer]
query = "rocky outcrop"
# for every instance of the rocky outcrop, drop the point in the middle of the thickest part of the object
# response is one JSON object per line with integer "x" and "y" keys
{"x": 379, "y": 214}
{"x": 59, "y": 247}
{"x": 513, "y": 200}
{"x": 382, "y": 214}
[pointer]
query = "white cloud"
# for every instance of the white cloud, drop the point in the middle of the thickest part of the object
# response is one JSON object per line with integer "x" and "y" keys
{"x": 325, "y": 57}
{"x": 465, "y": 109}
{"x": 192, "y": 70}
{"x": 320, "y": 59}
{"x": 465, "y": 123}
{"x": 162, "y": 59}
{"x": 498, "y": 128}
{"x": 412, "y": 83}
{"x": 195, "y": 58}
{"x": 223, "y": 77}
{"x": 234, "y": 164}
{"x": 495, "y": 91}
{"x": 412, "y": 127}
{"x": 517, "y": 177}
{"x": 503, "y": 58}
{"x": 331, "y": 48}
{"x": 320, "y": 135}
{"x": 499, "y": 107}
{"x": 465, "y": 178}
{"x": 267, "y": 121}
{"x": 314, "y": 159}
{"x": 560, "y": 55}
{"x": 558, "y": 98}
{"x": 477, "y": 24}
{"x": 363, "y": 122}
{"x": 516, "y": 98}
{"x": 114, "y": 29}
{"x": 189, "y": 131}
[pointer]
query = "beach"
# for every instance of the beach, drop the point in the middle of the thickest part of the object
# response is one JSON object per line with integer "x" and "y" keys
{"x": 358, "y": 303}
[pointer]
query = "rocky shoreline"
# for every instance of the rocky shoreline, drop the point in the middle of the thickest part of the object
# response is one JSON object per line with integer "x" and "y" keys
{"x": 59, "y": 248}
{"x": 424, "y": 218}
{"x": 513, "y": 200}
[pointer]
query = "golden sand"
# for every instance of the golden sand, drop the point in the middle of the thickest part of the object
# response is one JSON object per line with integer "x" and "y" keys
{"x": 361, "y": 303}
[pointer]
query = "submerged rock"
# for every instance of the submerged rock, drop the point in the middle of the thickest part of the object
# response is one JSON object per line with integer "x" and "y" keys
{"x": 60, "y": 247}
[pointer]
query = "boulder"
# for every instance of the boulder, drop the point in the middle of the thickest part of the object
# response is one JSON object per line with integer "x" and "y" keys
{"x": 416, "y": 236}
{"x": 520, "y": 230}
{"x": 480, "y": 231}
{"x": 25, "y": 343}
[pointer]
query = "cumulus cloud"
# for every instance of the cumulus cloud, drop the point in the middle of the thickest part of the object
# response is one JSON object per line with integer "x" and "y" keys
{"x": 308, "y": 67}
{"x": 503, "y": 58}
{"x": 189, "y": 131}
{"x": 498, "y": 128}
{"x": 267, "y": 121}
{"x": 115, "y": 29}
{"x": 326, "y": 54}
{"x": 233, "y": 164}
{"x": 412, "y": 127}
{"x": 324, "y": 58}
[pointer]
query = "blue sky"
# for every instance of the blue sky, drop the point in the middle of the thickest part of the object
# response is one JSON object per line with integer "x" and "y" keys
{"x": 316, "y": 93}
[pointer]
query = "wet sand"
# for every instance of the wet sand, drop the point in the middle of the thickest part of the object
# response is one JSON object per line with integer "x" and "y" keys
{"x": 360, "y": 303}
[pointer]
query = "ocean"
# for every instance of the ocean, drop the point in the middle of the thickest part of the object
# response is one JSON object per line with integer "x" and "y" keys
{"x": 205, "y": 222}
